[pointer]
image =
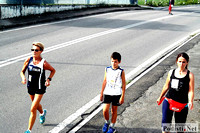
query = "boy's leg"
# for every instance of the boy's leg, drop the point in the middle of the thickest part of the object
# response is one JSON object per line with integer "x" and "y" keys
{"x": 106, "y": 117}
{"x": 113, "y": 119}
{"x": 106, "y": 111}
{"x": 115, "y": 104}
{"x": 114, "y": 114}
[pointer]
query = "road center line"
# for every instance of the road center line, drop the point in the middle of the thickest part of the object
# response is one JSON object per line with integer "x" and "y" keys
{"x": 62, "y": 45}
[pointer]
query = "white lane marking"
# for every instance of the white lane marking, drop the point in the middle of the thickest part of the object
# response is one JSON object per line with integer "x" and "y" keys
{"x": 13, "y": 60}
{"x": 196, "y": 33}
{"x": 55, "y": 47}
{"x": 72, "y": 117}
{"x": 86, "y": 119}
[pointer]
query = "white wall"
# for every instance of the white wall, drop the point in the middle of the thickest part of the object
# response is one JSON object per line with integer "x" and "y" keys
{"x": 16, "y": 11}
{"x": 10, "y": 11}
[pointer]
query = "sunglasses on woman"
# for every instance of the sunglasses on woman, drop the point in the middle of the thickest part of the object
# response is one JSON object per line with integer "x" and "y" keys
{"x": 36, "y": 50}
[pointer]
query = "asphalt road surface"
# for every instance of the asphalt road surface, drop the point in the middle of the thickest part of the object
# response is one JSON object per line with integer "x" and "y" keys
{"x": 80, "y": 49}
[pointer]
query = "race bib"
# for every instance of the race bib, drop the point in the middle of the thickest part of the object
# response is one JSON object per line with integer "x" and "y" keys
{"x": 29, "y": 78}
{"x": 174, "y": 83}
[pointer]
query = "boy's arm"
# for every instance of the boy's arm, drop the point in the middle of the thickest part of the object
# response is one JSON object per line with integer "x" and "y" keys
{"x": 121, "y": 101}
{"x": 103, "y": 87}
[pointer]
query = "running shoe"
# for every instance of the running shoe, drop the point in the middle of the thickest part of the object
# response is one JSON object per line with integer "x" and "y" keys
{"x": 28, "y": 131}
{"x": 42, "y": 117}
{"x": 105, "y": 127}
{"x": 111, "y": 130}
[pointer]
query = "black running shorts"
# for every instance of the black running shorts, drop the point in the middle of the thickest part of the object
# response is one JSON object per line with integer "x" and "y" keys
{"x": 112, "y": 99}
{"x": 33, "y": 91}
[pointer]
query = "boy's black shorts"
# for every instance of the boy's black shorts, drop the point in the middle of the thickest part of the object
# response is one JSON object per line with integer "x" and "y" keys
{"x": 112, "y": 99}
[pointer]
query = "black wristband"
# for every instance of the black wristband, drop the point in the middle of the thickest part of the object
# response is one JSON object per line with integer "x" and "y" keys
{"x": 49, "y": 79}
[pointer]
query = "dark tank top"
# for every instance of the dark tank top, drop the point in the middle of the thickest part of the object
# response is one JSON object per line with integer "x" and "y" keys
{"x": 36, "y": 75}
{"x": 179, "y": 88}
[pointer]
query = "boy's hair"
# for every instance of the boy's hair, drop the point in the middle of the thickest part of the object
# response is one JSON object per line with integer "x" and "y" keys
{"x": 116, "y": 55}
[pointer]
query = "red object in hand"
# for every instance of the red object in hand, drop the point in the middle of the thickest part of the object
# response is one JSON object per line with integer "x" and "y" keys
{"x": 161, "y": 101}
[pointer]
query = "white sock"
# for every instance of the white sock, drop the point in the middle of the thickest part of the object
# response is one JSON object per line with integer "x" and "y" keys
{"x": 107, "y": 121}
{"x": 42, "y": 113}
{"x": 112, "y": 125}
{"x": 29, "y": 130}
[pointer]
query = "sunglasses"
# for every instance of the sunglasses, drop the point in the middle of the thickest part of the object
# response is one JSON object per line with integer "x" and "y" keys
{"x": 36, "y": 50}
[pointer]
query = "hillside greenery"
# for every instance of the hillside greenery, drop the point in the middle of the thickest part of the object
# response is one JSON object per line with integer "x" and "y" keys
{"x": 156, "y": 3}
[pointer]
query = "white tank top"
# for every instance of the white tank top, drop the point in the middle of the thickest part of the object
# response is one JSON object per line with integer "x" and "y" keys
{"x": 114, "y": 81}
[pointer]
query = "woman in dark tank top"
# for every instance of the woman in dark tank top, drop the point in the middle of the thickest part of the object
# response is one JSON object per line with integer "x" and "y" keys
{"x": 179, "y": 87}
{"x": 179, "y": 92}
{"x": 36, "y": 82}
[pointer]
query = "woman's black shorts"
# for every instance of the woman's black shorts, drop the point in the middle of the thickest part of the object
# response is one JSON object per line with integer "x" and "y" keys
{"x": 33, "y": 91}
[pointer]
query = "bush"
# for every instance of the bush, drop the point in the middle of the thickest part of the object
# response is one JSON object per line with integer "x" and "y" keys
{"x": 156, "y": 3}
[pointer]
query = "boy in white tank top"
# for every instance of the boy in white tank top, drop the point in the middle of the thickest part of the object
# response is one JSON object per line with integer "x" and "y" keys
{"x": 113, "y": 91}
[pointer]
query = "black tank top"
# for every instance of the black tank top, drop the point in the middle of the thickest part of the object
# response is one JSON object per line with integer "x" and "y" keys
{"x": 179, "y": 88}
{"x": 36, "y": 75}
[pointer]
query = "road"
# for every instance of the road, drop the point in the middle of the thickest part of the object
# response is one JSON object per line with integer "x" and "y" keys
{"x": 80, "y": 49}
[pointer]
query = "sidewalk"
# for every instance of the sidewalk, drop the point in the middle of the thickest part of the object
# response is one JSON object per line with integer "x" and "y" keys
{"x": 140, "y": 112}
{"x": 51, "y": 17}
